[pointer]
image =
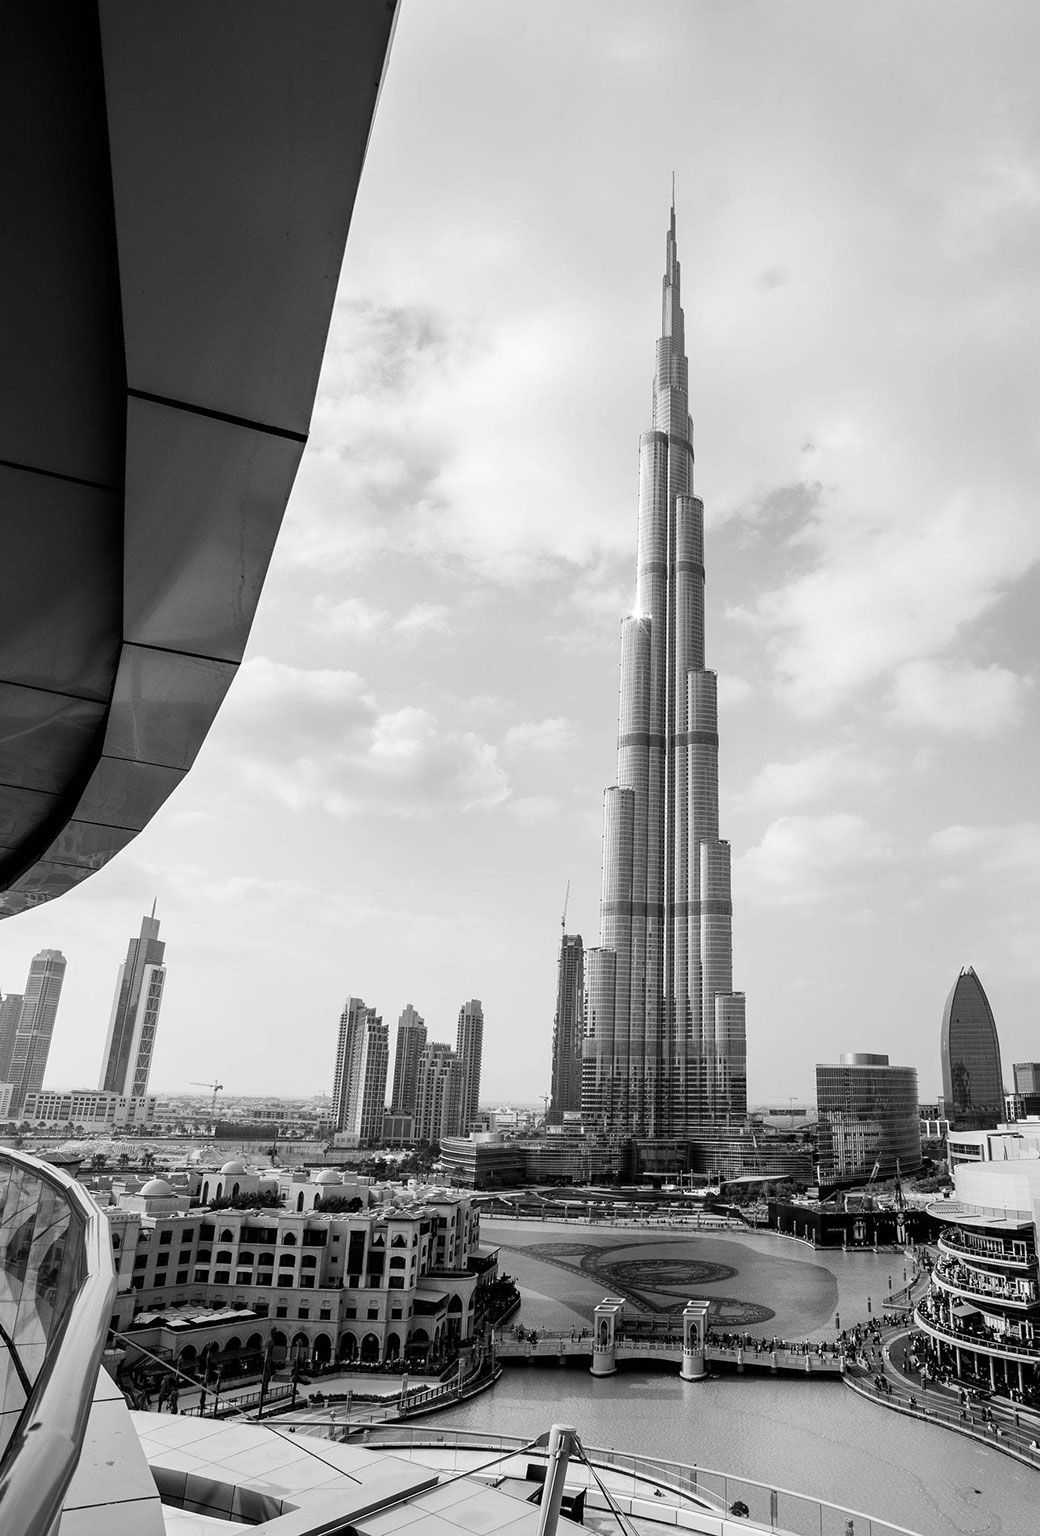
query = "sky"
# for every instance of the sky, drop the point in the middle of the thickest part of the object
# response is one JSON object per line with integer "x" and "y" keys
{"x": 409, "y": 768}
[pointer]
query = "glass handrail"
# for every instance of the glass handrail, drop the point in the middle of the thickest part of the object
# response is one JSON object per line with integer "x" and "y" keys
{"x": 56, "y": 1259}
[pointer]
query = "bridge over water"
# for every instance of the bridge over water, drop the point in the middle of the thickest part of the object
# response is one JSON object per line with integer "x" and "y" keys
{"x": 614, "y": 1338}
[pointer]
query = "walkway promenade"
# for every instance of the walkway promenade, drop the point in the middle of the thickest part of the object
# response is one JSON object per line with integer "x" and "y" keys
{"x": 882, "y": 1373}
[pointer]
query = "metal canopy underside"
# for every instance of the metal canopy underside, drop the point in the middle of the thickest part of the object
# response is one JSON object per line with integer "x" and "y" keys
{"x": 178, "y": 184}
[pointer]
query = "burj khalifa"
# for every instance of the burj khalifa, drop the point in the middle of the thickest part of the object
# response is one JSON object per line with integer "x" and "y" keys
{"x": 664, "y": 1052}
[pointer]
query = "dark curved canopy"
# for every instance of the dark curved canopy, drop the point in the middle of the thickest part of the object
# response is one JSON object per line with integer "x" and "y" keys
{"x": 178, "y": 180}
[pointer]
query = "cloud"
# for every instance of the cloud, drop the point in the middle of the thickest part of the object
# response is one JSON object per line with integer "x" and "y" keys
{"x": 803, "y": 860}
{"x": 545, "y": 737}
{"x": 356, "y": 618}
{"x": 973, "y": 701}
{"x": 810, "y": 779}
{"x": 1008, "y": 851}
{"x": 733, "y": 690}
{"x": 532, "y": 810}
{"x": 337, "y": 748}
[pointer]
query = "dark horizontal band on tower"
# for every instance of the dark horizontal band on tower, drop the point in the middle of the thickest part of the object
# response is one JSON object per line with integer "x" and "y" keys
{"x": 677, "y": 909}
{"x": 679, "y": 739}
{"x": 678, "y": 568}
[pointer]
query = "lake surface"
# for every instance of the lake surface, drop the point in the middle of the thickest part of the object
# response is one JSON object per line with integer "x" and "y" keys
{"x": 815, "y": 1437}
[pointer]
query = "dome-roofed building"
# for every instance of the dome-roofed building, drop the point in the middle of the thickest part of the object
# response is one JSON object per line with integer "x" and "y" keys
{"x": 328, "y": 1176}
{"x": 234, "y": 1166}
{"x": 973, "y": 1082}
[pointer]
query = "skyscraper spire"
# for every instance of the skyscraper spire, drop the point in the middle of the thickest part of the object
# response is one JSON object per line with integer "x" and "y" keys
{"x": 664, "y": 1051}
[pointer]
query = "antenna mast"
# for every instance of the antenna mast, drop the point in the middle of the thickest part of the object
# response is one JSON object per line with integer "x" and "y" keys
{"x": 566, "y": 899}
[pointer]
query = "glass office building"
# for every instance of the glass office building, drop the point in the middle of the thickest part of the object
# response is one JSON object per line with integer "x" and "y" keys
{"x": 973, "y": 1083}
{"x": 869, "y": 1119}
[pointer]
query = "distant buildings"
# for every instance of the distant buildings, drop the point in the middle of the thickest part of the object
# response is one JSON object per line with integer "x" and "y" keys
{"x": 32, "y": 1040}
{"x": 973, "y": 1082}
{"x": 568, "y": 1030}
{"x": 469, "y": 1048}
{"x": 91, "y": 1109}
{"x": 869, "y": 1120}
{"x": 1026, "y": 1098}
{"x": 411, "y": 1038}
{"x": 362, "y": 1059}
{"x": 10, "y": 1009}
{"x": 438, "y": 1109}
{"x": 127, "y": 1061}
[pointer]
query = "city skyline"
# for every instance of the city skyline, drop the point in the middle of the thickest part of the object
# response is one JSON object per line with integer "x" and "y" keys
{"x": 406, "y": 772}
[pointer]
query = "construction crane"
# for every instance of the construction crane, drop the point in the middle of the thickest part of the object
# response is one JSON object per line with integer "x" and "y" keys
{"x": 217, "y": 1088}
{"x": 566, "y": 899}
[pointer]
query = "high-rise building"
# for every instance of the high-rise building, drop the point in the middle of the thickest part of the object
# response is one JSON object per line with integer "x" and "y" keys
{"x": 469, "y": 1048}
{"x": 10, "y": 1008}
{"x": 439, "y": 1096}
{"x": 362, "y": 1059}
{"x": 973, "y": 1082}
{"x": 127, "y": 1062}
{"x": 1027, "y": 1076}
{"x": 567, "y": 1028}
{"x": 664, "y": 1053}
{"x": 32, "y": 1041}
{"x": 870, "y": 1122}
{"x": 411, "y": 1038}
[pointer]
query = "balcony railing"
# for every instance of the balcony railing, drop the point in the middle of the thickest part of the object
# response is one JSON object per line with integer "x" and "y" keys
{"x": 951, "y": 1242}
{"x": 953, "y": 1277}
{"x": 988, "y": 1343}
{"x": 691, "y": 1487}
{"x": 58, "y": 1284}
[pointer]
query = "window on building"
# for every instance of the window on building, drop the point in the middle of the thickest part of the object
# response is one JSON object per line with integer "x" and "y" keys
{"x": 182, "y": 1277}
{"x": 202, "y": 1277}
{"x": 281, "y": 1310}
{"x": 395, "y": 1283}
{"x": 140, "y": 1261}
{"x": 207, "y": 1232}
{"x": 222, "y": 1277}
{"x": 244, "y": 1277}
{"x": 165, "y": 1238}
{"x": 373, "y": 1314}
{"x": 289, "y": 1240}
{"x": 286, "y": 1260}
{"x": 284, "y": 1280}
{"x": 325, "y": 1314}
{"x": 304, "y": 1313}
{"x": 307, "y": 1282}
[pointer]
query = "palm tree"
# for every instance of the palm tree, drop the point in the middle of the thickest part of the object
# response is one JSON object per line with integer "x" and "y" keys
{"x": 148, "y": 1159}
{"x": 123, "y": 1159}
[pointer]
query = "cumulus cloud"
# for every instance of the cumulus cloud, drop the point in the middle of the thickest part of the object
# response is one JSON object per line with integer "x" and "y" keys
{"x": 544, "y": 737}
{"x": 884, "y": 588}
{"x": 973, "y": 701}
{"x": 733, "y": 689}
{"x": 532, "y": 810}
{"x": 356, "y": 618}
{"x": 803, "y": 860}
{"x": 807, "y": 780}
{"x": 321, "y": 738}
{"x": 1012, "y": 850}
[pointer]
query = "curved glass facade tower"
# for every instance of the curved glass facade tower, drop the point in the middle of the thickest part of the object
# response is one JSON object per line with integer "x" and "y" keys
{"x": 664, "y": 1052}
{"x": 973, "y": 1082}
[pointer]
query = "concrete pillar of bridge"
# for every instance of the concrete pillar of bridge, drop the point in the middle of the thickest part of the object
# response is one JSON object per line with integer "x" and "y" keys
{"x": 607, "y": 1316}
{"x": 740, "y": 1361}
{"x": 695, "y": 1340}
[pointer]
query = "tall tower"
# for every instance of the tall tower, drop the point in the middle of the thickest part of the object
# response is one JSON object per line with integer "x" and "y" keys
{"x": 32, "y": 1041}
{"x": 567, "y": 1028}
{"x": 469, "y": 1048}
{"x": 10, "y": 1009}
{"x": 664, "y": 1052}
{"x": 438, "y": 1100}
{"x": 973, "y": 1082}
{"x": 411, "y": 1038}
{"x": 127, "y": 1061}
{"x": 362, "y": 1058}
